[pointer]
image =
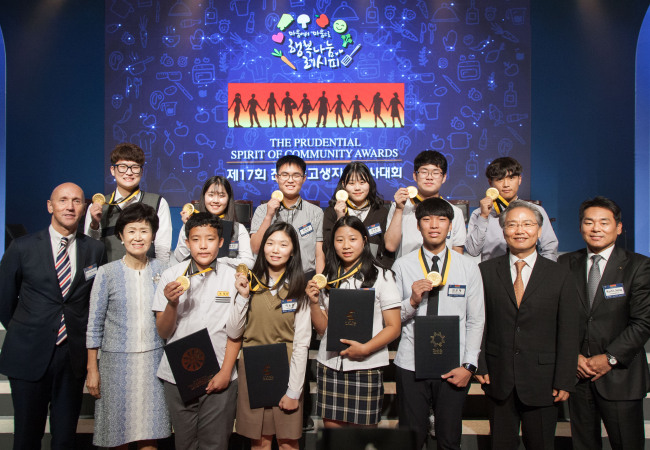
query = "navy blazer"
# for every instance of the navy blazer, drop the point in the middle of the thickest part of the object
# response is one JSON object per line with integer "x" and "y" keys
{"x": 533, "y": 348}
{"x": 619, "y": 326}
{"x": 31, "y": 305}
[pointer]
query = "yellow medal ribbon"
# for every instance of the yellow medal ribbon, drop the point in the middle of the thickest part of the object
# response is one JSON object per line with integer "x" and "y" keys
{"x": 445, "y": 265}
{"x": 110, "y": 202}
{"x": 500, "y": 204}
{"x": 417, "y": 199}
{"x": 197, "y": 273}
{"x": 355, "y": 207}
{"x": 345, "y": 276}
{"x": 259, "y": 286}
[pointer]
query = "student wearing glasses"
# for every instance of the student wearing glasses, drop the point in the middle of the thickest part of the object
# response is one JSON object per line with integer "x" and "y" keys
{"x": 305, "y": 217}
{"x": 127, "y": 165}
{"x": 402, "y": 236}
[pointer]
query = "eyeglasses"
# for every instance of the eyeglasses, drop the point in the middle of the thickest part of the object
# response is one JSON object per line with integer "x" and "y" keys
{"x": 284, "y": 176}
{"x": 432, "y": 173}
{"x": 123, "y": 168}
{"x": 524, "y": 225}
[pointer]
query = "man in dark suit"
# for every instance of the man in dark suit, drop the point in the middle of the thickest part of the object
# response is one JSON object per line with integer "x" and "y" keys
{"x": 614, "y": 289}
{"x": 45, "y": 281}
{"x": 527, "y": 363}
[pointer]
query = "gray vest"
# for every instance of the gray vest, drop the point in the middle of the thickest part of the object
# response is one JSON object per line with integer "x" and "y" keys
{"x": 114, "y": 248}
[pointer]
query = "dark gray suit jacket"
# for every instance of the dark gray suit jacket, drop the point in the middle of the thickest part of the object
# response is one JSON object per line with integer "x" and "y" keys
{"x": 619, "y": 326}
{"x": 532, "y": 348}
{"x": 31, "y": 305}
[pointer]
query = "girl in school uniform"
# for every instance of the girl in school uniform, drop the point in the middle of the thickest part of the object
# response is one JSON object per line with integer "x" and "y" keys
{"x": 363, "y": 202}
{"x": 272, "y": 309}
{"x": 350, "y": 383}
{"x": 217, "y": 198}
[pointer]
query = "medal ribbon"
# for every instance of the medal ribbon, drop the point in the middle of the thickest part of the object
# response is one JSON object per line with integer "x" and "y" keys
{"x": 259, "y": 286}
{"x": 357, "y": 208}
{"x": 110, "y": 202}
{"x": 445, "y": 265}
{"x": 345, "y": 276}
{"x": 197, "y": 273}
{"x": 417, "y": 199}
{"x": 500, "y": 204}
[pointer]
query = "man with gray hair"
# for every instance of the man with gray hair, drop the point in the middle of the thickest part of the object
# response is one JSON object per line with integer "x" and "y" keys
{"x": 528, "y": 357}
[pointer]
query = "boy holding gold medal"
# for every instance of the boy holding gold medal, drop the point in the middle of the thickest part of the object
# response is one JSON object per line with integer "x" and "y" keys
{"x": 194, "y": 295}
{"x": 484, "y": 234}
{"x": 435, "y": 281}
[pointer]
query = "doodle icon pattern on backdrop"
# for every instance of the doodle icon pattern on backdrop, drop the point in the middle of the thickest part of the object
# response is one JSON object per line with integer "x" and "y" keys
{"x": 460, "y": 70}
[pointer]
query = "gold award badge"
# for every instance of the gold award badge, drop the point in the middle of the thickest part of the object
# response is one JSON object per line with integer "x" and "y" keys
{"x": 99, "y": 198}
{"x": 278, "y": 195}
{"x": 342, "y": 196}
{"x": 184, "y": 281}
{"x": 189, "y": 208}
{"x": 413, "y": 191}
{"x": 435, "y": 278}
{"x": 493, "y": 193}
{"x": 320, "y": 280}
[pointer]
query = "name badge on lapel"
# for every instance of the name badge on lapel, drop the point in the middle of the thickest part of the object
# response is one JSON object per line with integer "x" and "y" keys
{"x": 374, "y": 230}
{"x": 614, "y": 291}
{"x": 234, "y": 246}
{"x": 222, "y": 297}
{"x": 305, "y": 229}
{"x": 456, "y": 290}
{"x": 90, "y": 272}
{"x": 289, "y": 305}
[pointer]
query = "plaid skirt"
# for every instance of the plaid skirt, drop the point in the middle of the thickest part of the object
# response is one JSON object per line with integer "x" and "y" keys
{"x": 355, "y": 396}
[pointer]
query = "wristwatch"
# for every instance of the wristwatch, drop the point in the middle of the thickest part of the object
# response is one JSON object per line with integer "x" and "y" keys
{"x": 611, "y": 359}
{"x": 471, "y": 367}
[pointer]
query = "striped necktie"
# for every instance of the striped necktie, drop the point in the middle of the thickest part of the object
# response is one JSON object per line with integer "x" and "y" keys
{"x": 64, "y": 274}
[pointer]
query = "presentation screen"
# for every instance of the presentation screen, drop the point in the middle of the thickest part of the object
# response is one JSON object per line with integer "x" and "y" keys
{"x": 228, "y": 87}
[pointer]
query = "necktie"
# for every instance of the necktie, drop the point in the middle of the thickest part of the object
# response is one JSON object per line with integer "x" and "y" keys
{"x": 594, "y": 278}
{"x": 519, "y": 282}
{"x": 432, "y": 304}
{"x": 64, "y": 274}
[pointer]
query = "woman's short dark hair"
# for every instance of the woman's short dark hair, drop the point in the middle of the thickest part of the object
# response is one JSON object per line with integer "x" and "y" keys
{"x": 362, "y": 172}
{"x": 332, "y": 262}
{"x": 293, "y": 272}
{"x": 137, "y": 212}
{"x": 434, "y": 206}
{"x": 229, "y": 212}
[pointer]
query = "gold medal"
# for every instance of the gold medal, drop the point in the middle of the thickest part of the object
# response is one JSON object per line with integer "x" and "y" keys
{"x": 99, "y": 198}
{"x": 492, "y": 193}
{"x": 242, "y": 268}
{"x": 435, "y": 278}
{"x": 184, "y": 281}
{"x": 413, "y": 191}
{"x": 278, "y": 195}
{"x": 342, "y": 196}
{"x": 189, "y": 208}
{"x": 320, "y": 280}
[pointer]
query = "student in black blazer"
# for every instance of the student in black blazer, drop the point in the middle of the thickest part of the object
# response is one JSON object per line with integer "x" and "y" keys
{"x": 613, "y": 376}
{"x": 43, "y": 355}
{"x": 527, "y": 364}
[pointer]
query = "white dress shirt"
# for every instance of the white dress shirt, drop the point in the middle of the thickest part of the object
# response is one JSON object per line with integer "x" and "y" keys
{"x": 527, "y": 269}
{"x": 470, "y": 309}
{"x": 605, "y": 254}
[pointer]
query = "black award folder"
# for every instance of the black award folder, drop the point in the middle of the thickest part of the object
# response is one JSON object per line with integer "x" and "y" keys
{"x": 193, "y": 363}
{"x": 226, "y": 234}
{"x": 350, "y": 316}
{"x": 267, "y": 374}
{"x": 436, "y": 345}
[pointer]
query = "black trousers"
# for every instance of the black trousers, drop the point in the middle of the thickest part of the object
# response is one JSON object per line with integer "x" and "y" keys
{"x": 61, "y": 391}
{"x": 623, "y": 420}
{"x": 416, "y": 397}
{"x": 538, "y": 424}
